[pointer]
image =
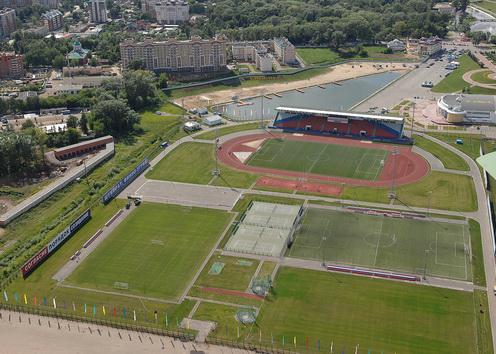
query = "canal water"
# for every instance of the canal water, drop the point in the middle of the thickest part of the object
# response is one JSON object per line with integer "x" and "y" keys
{"x": 334, "y": 96}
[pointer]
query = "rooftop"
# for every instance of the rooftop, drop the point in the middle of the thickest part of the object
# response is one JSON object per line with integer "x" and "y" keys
{"x": 340, "y": 114}
{"x": 470, "y": 103}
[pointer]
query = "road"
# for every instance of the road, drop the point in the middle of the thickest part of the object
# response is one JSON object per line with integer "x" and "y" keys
{"x": 407, "y": 87}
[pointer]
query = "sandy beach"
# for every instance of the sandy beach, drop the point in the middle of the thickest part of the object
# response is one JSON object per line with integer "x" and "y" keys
{"x": 23, "y": 333}
{"x": 337, "y": 73}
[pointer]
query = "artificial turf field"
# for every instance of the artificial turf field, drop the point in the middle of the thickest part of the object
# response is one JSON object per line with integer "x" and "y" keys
{"x": 319, "y": 158}
{"x": 385, "y": 243}
{"x": 379, "y": 315}
{"x": 156, "y": 250}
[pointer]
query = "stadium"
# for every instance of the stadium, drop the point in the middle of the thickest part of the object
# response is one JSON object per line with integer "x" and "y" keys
{"x": 342, "y": 124}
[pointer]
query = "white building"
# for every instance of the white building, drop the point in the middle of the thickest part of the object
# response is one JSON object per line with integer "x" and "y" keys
{"x": 396, "y": 45}
{"x": 285, "y": 50}
{"x": 98, "y": 11}
{"x": 457, "y": 108}
{"x": 263, "y": 61}
{"x": 172, "y": 12}
{"x": 424, "y": 46}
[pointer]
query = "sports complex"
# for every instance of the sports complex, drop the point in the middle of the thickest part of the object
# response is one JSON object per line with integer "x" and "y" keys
{"x": 272, "y": 240}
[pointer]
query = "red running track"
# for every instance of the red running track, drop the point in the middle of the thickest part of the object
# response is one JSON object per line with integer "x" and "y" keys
{"x": 410, "y": 167}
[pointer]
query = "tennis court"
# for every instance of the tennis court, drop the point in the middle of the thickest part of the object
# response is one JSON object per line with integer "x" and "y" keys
{"x": 383, "y": 242}
{"x": 320, "y": 158}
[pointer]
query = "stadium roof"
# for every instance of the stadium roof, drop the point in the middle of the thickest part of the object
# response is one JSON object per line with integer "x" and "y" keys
{"x": 343, "y": 114}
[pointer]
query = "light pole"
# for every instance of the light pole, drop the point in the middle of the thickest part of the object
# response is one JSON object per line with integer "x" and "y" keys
{"x": 429, "y": 204}
{"x": 323, "y": 250}
{"x": 216, "y": 171}
{"x": 392, "y": 193}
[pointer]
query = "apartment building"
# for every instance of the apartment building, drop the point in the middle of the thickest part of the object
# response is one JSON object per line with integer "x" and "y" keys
{"x": 195, "y": 55}
{"x": 98, "y": 11}
{"x": 7, "y": 22}
{"x": 53, "y": 20}
{"x": 51, "y": 4}
{"x": 11, "y": 65}
{"x": 171, "y": 12}
{"x": 284, "y": 50}
{"x": 15, "y": 4}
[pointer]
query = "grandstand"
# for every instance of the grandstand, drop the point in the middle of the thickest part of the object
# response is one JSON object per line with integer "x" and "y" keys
{"x": 344, "y": 124}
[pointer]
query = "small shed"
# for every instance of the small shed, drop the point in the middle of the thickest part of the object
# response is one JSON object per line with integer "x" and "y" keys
{"x": 212, "y": 120}
{"x": 191, "y": 126}
{"x": 202, "y": 111}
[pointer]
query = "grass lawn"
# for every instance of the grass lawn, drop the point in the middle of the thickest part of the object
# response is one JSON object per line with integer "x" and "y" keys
{"x": 487, "y": 5}
{"x": 479, "y": 275}
{"x": 153, "y": 250}
{"x": 385, "y": 243}
{"x": 449, "y": 192}
{"x": 345, "y": 310}
{"x": 449, "y": 159}
{"x": 483, "y": 320}
{"x": 483, "y": 76}
{"x": 319, "y": 158}
{"x": 481, "y": 90}
{"x": 324, "y": 56}
{"x": 454, "y": 82}
{"x": 471, "y": 143}
{"x": 212, "y": 134}
{"x": 193, "y": 163}
{"x": 235, "y": 275}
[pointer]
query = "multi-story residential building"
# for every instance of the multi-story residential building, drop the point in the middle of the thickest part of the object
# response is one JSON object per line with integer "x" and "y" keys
{"x": 7, "y": 22}
{"x": 424, "y": 46}
{"x": 196, "y": 55}
{"x": 172, "y": 12}
{"x": 14, "y": 4}
{"x": 53, "y": 20}
{"x": 167, "y": 12}
{"x": 285, "y": 50}
{"x": 11, "y": 65}
{"x": 98, "y": 11}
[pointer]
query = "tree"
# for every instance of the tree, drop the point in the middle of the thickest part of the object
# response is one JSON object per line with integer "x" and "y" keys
{"x": 72, "y": 122}
{"x": 337, "y": 39}
{"x": 139, "y": 88}
{"x": 72, "y": 136}
{"x": 58, "y": 62}
{"x": 27, "y": 124}
{"x": 113, "y": 117}
{"x": 162, "y": 80}
{"x": 83, "y": 124}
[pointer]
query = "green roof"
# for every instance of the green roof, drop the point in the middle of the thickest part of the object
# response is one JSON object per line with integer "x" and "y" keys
{"x": 488, "y": 163}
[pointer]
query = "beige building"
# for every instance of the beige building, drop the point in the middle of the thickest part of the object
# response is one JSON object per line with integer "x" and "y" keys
{"x": 195, "y": 55}
{"x": 285, "y": 50}
{"x": 424, "y": 46}
{"x": 11, "y": 65}
{"x": 7, "y": 22}
{"x": 167, "y": 12}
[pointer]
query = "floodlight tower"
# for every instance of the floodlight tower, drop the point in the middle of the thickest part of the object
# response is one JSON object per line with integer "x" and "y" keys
{"x": 216, "y": 171}
{"x": 392, "y": 193}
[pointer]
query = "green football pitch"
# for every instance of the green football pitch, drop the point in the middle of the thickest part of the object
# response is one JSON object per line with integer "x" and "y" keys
{"x": 380, "y": 242}
{"x": 380, "y": 316}
{"x": 154, "y": 252}
{"x": 320, "y": 158}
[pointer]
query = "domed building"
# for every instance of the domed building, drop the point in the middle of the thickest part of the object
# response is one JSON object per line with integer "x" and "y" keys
{"x": 467, "y": 109}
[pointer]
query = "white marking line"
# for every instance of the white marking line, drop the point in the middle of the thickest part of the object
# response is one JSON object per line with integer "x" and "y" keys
{"x": 446, "y": 264}
{"x": 317, "y": 159}
{"x": 378, "y": 243}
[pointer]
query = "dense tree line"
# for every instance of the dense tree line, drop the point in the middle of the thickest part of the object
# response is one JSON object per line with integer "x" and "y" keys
{"x": 21, "y": 153}
{"x": 322, "y": 21}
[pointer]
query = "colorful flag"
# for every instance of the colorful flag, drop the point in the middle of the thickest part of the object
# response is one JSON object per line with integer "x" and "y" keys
{"x": 332, "y": 346}
{"x": 166, "y": 321}
{"x": 134, "y": 315}
{"x": 84, "y": 308}
{"x": 54, "y": 304}
{"x": 5, "y": 296}
{"x": 306, "y": 342}
{"x": 260, "y": 336}
{"x": 73, "y": 306}
{"x": 318, "y": 345}
{"x": 156, "y": 316}
{"x": 16, "y": 297}
{"x": 103, "y": 309}
{"x": 115, "y": 312}
{"x": 125, "y": 313}
{"x": 283, "y": 341}
{"x": 35, "y": 301}
{"x": 25, "y": 299}
{"x": 94, "y": 309}
{"x": 294, "y": 341}
{"x": 238, "y": 331}
{"x": 44, "y": 300}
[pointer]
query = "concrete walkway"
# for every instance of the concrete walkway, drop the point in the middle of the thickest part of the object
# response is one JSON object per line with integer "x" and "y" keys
{"x": 467, "y": 77}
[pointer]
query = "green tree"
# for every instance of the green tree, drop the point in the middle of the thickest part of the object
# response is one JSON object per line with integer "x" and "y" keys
{"x": 162, "y": 80}
{"x": 72, "y": 135}
{"x": 139, "y": 88}
{"x": 113, "y": 117}
{"x": 27, "y": 124}
{"x": 72, "y": 122}
{"x": 83, "y": 123}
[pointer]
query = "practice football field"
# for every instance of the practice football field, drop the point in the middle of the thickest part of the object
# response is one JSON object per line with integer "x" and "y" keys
{"x": 320, "y": 158}
{"x": 154, "y": 252}
{"x": 381, "y": 316}
{"x": 403, "y": 245}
